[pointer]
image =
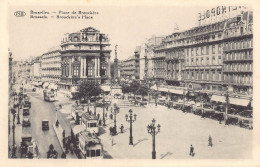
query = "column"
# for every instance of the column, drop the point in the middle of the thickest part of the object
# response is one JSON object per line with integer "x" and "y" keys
{"x": 108, "y": 70}
{"x": 70, "y": 69}
{"x": 95, "y": 66}
{"x": 81, "y": 66}
{"x": 98, "y": 69}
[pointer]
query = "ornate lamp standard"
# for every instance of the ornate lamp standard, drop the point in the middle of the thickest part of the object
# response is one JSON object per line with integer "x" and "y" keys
{"x": 152, "y": 130}
{"x": 227, "y": 104}
{"x": 116, "y": 111}
{"x": 131, "y": 120}
{"x": 18, "y": 115}
{"x": 13, "y": 127}
{"x": 104, "y": 120}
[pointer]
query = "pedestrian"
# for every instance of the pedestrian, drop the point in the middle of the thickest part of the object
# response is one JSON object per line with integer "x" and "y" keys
{"x": 63, "y": 134}
{"x": 106, "y": 115}
{"x": 63, "y": 155}
{"x": 112, "y": 140}
{"x": 122, "y": 128}
{"x": 98, "y": 115}
{"x": 191, "y": 150}
{"x": 210, "y": 141}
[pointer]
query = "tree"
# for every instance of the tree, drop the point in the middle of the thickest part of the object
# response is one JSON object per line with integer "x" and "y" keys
{"x": 89, "y": 89}
{"x": 134, "y": 86}
{"x": 143, "y": 90}
{"x": 126, "y": 88}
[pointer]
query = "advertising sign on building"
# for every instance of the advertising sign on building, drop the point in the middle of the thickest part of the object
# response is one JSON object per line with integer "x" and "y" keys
{"x": 219, "y": 13}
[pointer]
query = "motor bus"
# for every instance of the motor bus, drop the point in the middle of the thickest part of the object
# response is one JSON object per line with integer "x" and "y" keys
{"x": 90, "y": 122}
{"x": 49, "y": 95}
{"x": 90, "y": 145}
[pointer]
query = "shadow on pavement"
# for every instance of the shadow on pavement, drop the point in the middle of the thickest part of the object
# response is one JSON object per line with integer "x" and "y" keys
{"x": 139, "y": 141}
{"x": 107, "y": 155}
{"x": 102, "y": 131}
{"x": 164, "y": 155}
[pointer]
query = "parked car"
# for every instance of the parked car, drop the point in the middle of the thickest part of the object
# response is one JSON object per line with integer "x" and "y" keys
{"x": 26, "y": 122}
{"x": 45, "y": 125}
{"x": 26, "y": 111}
{"x": 27, "y": 104}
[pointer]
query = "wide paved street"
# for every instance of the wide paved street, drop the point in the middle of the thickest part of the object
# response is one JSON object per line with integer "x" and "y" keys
{"x": 43, "y": 110}
{"x": 178, "y": 131}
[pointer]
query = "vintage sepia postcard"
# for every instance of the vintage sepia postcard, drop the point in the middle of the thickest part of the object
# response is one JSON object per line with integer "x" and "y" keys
{"x": 130, "y": 83}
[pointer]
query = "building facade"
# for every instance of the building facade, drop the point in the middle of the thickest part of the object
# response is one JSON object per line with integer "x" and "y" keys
{"x": 238, "y": 54}
{"x": 51, "y": 65}
{"x": 211, "y": 57}
{"x": 85, "y": 55}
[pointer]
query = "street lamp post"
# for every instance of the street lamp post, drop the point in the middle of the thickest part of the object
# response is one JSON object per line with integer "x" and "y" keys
{"x": 14, "y": 147}
{"x": 131, "y": 120}
{"x": 152, "y": 130}
{"x": 116, "y": 110}
{"x": 18, "y": 115}
{"x": 226, "y": 110}
{"x": 104, "y": 120}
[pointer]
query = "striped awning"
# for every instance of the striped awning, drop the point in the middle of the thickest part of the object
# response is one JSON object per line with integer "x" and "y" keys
{"x": 163, "y": 89}
{"x": 176, "y": 91}
{"x": 218, "y": 98}
{"x": 239, "y": 102}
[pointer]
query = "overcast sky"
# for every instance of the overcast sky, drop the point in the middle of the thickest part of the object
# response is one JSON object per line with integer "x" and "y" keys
{"x": 127, "y": 27}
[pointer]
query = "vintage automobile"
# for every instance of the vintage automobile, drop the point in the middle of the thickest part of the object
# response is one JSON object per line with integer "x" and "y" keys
{"x": 26, "y": 122}
{"x": 45, "y": 124}
{"x": 26, "y": 111}
{"x": 27, "y": 103}
{"x": 29, "y": 147}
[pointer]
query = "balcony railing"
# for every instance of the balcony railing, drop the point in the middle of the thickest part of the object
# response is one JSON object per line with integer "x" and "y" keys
{"x": 238, "y": 60}
{"x": 238, "y": 70}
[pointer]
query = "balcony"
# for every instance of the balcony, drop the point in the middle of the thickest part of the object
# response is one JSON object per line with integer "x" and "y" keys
{"x": 237, "y": 34}
{"x": 174, "y": 78}
{"x": 237, "y": 71}
{"x": 239, "y": 83}
{"x": 238, "y": 60}
{"x": 228, "y": 49}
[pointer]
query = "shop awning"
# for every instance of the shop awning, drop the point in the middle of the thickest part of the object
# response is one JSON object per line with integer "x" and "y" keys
{"x": 239, "y": 102}
{"x": 163, "y": 89}
{"x": 78, "y": 128}
{"x": 176, "y": 91}
{"x": 154, "y": 87}
{"x": 217, "y": 98}
{"x": 105, "y": 88}
{"x": 45, "y": 84}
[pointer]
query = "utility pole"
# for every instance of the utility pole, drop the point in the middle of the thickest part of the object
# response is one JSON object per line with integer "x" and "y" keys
{"x": 131, "y": 122}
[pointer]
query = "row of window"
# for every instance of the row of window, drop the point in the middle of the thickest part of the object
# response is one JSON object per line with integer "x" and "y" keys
{"x": 204, "y": 75}
{"x": 239, "y": 67}
{"x": 204, "y": 50}
{"x": 240, "y": 44}
{"x": 215, "y": 60}
{"x": 239, "y": 55}
{"x": 242, "y": 79}
{"x": 89, "y": 71}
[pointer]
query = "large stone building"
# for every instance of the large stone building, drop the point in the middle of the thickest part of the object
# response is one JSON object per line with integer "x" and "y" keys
{"x": 51, "y": 65}
{"x": 85, "y": 55}
{"x": 211, "y": 57}
{"x": 35, "y": 68}
{"x": 238, "y": 54}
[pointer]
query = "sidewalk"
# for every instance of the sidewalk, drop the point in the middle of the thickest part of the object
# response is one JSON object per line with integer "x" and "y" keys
{"x": 18, "y": 133}
{"x": 58, "y": 131}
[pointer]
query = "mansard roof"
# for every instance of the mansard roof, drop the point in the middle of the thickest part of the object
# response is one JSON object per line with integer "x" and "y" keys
{"x": 89, "y": 29}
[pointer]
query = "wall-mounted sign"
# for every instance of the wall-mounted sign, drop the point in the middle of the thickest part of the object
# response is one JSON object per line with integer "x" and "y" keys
{"x": 219, "y": 13}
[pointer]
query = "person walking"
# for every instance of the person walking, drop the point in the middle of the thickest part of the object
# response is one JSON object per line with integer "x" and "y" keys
{"x": 122, "y": 128}
{"x": 191, "y": 150}
{"x": 210, "y": 141}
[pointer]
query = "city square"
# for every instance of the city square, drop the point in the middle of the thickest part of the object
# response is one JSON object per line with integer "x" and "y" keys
{"x": 187, "y": 94}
